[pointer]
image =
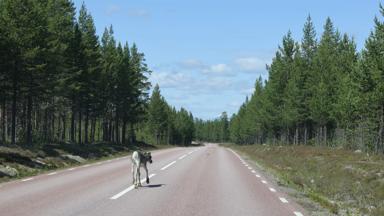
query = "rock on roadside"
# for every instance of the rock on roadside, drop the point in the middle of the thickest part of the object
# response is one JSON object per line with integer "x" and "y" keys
{"x": 8, "y": 171}
{"x": 74, "y": 158}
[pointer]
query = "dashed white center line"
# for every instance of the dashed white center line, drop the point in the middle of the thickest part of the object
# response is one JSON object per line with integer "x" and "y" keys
{"x": 298, "y": 213}
{"x": 272, "y": 189}
{"x": 168, "y": 165}
{"x": 283, "y": 200}
{"x": 180, "y": 158}
{"x": 52, "y": 173}
{"x": 253, "y": 171}
{"x": 28, "y": 179}
{"x": 129, "y": 188}
{"x": 264, "y": 182}
{"x": 257, "y": 176}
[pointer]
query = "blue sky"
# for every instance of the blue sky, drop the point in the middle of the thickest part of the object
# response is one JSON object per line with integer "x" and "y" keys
{"x": 207, "y": 54}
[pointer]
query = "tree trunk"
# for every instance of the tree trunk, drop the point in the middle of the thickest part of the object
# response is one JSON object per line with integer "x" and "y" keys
{"x": 117, "y": 128}
{"x": 14, "y": 101}
{"x": 325, "y": 136}
{"x": 305, "y": 133}
{"x": 80, "y": 129}
{"x": 98, "y": 130}
{"x": 3, "y": 122}
{"x": 132, "y": 134}
{"x": 123, "y": 132}
{"x": 73, "y": 125}
{"x": 86, "y": 126}
{"x": 64, "y": 118}
{"x": 379, "y": 145}
{"x": 29, "y": 120}
{"x": 93, "y": 129}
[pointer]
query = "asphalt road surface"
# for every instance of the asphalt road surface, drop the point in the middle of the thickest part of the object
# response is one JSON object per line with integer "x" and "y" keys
{"x": 207, "y": 181}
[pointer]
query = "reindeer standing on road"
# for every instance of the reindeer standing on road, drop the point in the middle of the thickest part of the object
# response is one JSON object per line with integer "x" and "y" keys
{"x": 140, "y": 159}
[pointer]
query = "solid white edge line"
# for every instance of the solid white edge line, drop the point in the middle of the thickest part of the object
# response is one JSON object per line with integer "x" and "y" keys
{"x": 130, "y": 188}
{"x": 28, "y": 179}
{"x": 250, "y": 168}
{"x": 257, "y": 176}
{"x": 52, "y": 173}
{"x": 180, "y": 158}
{"x": 298, "y": 213}
{"x": 87, "y": 165}
{"x": 283, "y": 200}
{"x": 168, "y": 165}
{"x": 272, "y": 189}
{"x": 253, "y": 171}
{"x": 264, "y": 182}
{"x": 70, "y": 169}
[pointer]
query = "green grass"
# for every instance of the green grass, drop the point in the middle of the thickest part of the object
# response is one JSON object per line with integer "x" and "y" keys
{"x": 345, "y": 182}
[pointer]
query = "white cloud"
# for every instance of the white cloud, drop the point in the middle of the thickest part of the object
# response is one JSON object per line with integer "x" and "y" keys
{"x": 138, "y": 13}
{"x": 192, "y": 64}
{"x": 112, "y": 9}
{"x": 251, "y": 63}
{"x": 172, "y": 80}
{"x": 222, "y": 69}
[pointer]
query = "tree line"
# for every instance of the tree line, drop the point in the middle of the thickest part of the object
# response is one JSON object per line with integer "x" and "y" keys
{"x": 166, "y": 125}
{"x": 320, "y": 91}
{"x": 60, "y": 82}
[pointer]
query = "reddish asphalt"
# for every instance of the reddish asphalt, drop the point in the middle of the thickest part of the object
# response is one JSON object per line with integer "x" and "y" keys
{"x": 207, "y": 181}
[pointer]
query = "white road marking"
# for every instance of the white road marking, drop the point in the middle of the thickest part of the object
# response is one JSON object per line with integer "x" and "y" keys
{"x": 28, "y": 179}
{"x": 250, "y": 168}
{"x": 168, "y": 165}
{"x": 190, "y": 152}
{"x": 52, "y": 173}
{"x": 272, "y": 189}
{"x": 264, "y": 182}
{"x": 70, "y": 169}
{"x": 298, "y": 213}
{"x": 129, "y": 188}
{"x": 283, "y": 200}
{"x": 257, "y": 176}
{"x": 253, "y": 171}
{"x": 180, "y": 158}
{"x": 98, "y": 163}
{"x": 87, "y": 165}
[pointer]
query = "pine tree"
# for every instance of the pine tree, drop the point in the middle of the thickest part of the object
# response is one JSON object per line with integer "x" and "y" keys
{"x": 157, "y": 114}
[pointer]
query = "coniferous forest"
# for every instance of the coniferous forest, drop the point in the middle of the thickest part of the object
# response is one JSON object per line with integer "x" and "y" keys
{"x": 320, "y": 91}
{"x": 61, "y": 82}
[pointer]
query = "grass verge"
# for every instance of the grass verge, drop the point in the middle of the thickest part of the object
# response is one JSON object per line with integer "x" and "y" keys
{"x": 342, "y": 181}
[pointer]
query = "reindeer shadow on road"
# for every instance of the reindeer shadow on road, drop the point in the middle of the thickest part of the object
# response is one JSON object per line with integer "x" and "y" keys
{"x": 153, "y": 185}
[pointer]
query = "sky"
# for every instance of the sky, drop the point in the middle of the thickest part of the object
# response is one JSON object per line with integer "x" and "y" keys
{"x": 207, "y": 54}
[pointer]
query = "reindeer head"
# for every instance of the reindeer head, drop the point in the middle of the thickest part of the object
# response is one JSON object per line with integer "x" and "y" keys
{"x": 148, "y": 156}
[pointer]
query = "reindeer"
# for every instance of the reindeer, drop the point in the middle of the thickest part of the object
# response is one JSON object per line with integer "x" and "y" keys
{"x": 140, "y": 159}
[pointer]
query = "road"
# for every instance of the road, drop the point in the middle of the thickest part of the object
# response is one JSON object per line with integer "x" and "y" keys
{"x": 207, "y": 180}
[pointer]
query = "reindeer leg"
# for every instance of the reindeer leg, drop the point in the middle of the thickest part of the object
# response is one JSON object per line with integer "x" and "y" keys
{"x": 146, "y": 172}
{"x": 133, "y": 173}
{"x": 139, "y": 179}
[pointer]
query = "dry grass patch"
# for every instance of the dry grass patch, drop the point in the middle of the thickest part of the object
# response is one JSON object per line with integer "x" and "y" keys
{"x": 345, "y": 182}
